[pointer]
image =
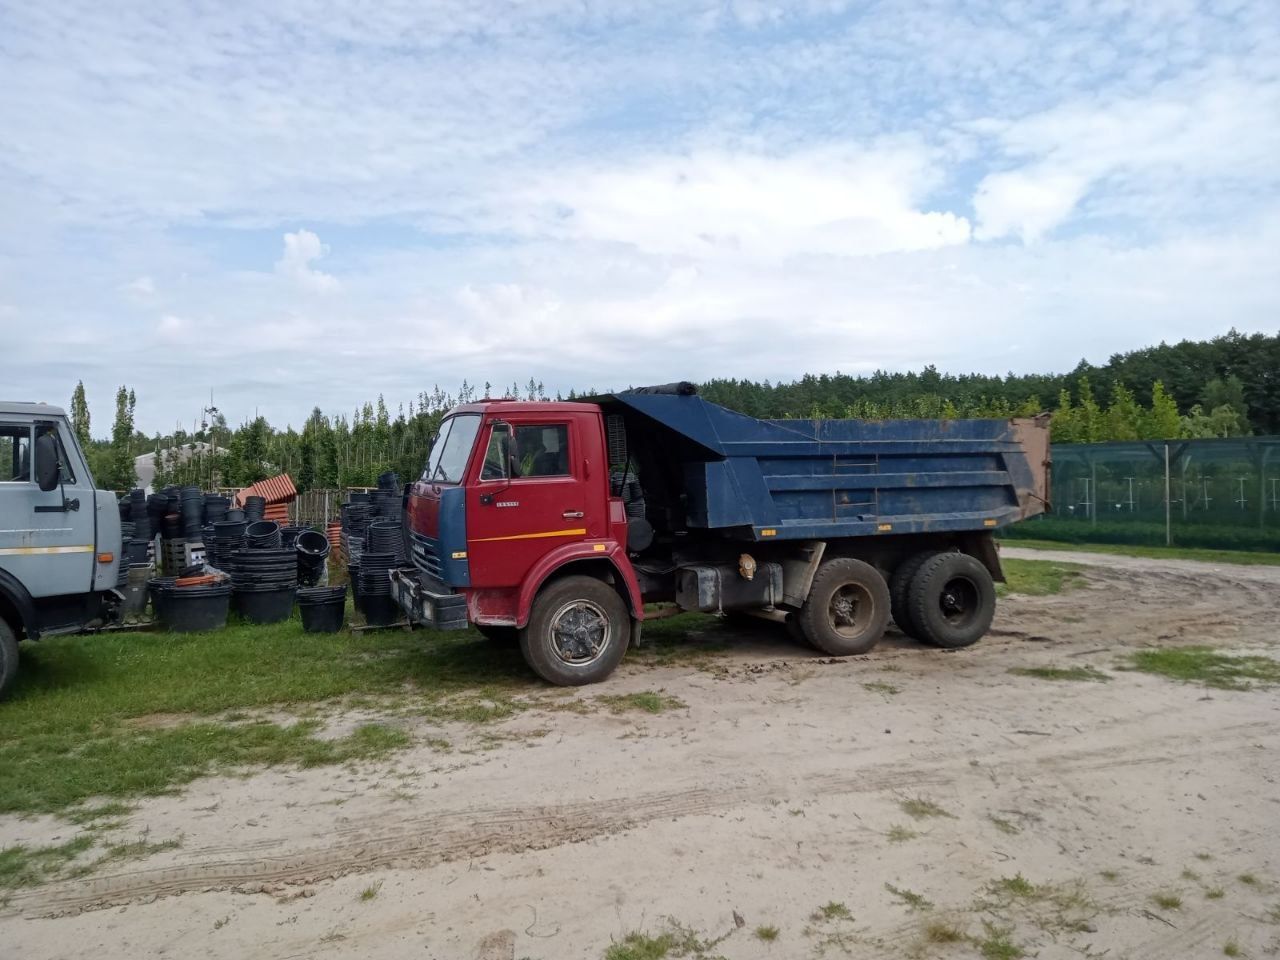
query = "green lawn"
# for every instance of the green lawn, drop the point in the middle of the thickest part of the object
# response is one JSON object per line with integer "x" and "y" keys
{"x": 138, "y": 713}
{"x": 1038, "y": 578}
{"x": 1156, "y": 553}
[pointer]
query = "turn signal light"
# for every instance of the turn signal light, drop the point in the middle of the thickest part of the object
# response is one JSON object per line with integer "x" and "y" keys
{"x": 106, "y": 557}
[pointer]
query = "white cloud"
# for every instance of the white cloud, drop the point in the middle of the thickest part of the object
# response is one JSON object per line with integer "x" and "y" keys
{"x": 142, "y": 289}
{"x": 1026, "y": 203}
{"x": 300, "y": 249}
{"x": 839, "y": 201}
{"x": 172, "y": 328}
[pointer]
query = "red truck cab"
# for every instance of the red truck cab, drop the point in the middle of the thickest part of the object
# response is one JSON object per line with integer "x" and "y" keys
{"x": 515, "y": 494}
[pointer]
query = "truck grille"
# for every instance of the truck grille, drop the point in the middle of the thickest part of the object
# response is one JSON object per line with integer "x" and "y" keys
{"x": 426, "y": 556}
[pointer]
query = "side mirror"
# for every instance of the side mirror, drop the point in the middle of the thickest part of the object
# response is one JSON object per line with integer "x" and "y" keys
{"x": 47, "y": 462}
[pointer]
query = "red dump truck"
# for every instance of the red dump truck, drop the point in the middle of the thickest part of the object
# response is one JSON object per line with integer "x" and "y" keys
{"x": 557, "y": 523}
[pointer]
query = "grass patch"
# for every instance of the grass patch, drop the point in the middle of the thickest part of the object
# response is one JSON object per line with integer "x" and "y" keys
{"x": 909, "y": 898}
{"x": 1208, "y": 666}
{"x": 136, "y": 850}
{"x": 86, "y": 816}
{"x": 920, "y": 808}
{"x": 1039, "y": 578}
{"x": 79, "y": 723}
{"x": 944, "y": 931}
{"x": 767, "y": 934}
{"x": 1231, "y": 949}
{"x": 879, "y": 686}
{"x": 1214, "y": 893}
{"x": 1004, "y": 826}
{"x": 687, "y": 638}
{"x": 1076, "y": 674}
{"x": 900, "y": 834}
{"x": 998, "y": 944}
{"x": 1248, "y": 879}
{"x": 647, "y": 701}
{"x": 831, "y": 911}
{"x": 1016, "y": 886}
{"x": 678, "y": 941}
{"x": 1111, "y": 876}
{"x": 1242, "y": 557}
{"x": 371, "y": 891}
{"x": 23, "y": 866}
{"x": 1167, "y": 900}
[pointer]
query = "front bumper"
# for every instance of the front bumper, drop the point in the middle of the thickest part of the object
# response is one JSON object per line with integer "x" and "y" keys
{"x": 427, "y": 601}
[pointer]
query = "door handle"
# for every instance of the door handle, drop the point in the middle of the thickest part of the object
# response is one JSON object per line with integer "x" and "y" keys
{"x": 66, "y": 506}
{"x": 573, "y": 514}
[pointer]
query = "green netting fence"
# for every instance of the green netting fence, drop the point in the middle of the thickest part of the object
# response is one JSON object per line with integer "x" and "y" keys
{"x": 1190, "y": 493}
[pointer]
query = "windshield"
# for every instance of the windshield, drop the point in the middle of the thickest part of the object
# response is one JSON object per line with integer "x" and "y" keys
{"x": 449, "y": 456}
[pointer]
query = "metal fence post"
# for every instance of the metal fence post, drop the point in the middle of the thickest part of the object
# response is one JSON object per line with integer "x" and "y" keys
{"x": 1168, "y": 504}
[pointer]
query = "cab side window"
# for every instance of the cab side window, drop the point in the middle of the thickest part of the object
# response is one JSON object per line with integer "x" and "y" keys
{"x": 543, "y": 450}
{"x": 497, "y": 455}
{"x": 15, "y": 453}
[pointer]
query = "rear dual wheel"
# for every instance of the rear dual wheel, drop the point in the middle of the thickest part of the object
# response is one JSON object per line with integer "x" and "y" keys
{"x": 847, "y": 609}
{"x": 947, "y": 599}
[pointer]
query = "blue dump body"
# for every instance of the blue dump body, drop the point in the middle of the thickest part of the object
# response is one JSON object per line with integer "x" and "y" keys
{"x": 823, "y": 479}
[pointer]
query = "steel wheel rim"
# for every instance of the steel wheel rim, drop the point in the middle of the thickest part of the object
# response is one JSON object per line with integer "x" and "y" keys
{"x": 850, "y": 610}
{"x": 580, "y": 632}
{"x": 959, "y": 601}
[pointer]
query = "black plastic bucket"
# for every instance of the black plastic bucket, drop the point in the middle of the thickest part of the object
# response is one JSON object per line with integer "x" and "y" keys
{"x": 322, "y": 608}
{"x": 254, "y": 508}
{"x": 271, "y": 604}
{"x": 380, "y": 610}
{"x": 191, "y": 609}
{"x": 262, "y": 534}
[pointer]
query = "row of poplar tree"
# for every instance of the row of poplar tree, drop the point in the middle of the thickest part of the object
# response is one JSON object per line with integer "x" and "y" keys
{"x": 338, "y": 451}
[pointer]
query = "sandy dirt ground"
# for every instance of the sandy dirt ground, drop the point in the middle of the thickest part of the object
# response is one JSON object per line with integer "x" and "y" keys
{"x": 781, "y": 786}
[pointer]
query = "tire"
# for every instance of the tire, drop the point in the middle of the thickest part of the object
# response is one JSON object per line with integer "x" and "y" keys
{"x": 500, "y": 635}
{"x": 578, "y": 632}
{"x": 8, "y": 657}
{"x": 900, "y": 584}
{"x": 952, "y": 600}
{"x": 847, "y": 609}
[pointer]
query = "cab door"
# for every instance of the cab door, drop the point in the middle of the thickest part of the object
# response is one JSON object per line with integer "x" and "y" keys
{"x": 527, "y": 497}
{"x": 46, "y": 541}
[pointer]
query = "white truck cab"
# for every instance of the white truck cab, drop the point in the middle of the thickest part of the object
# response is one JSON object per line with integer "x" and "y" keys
{"x": 59, "y": 537}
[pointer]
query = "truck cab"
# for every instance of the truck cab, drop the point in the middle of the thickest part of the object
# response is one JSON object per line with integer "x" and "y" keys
{"x": 59, "y": 536}
{"x": 558, "y": 522}
{"x": 514, "y": 493}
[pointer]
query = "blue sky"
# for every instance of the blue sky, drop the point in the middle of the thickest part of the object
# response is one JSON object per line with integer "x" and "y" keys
{"x": 315, "y": 203}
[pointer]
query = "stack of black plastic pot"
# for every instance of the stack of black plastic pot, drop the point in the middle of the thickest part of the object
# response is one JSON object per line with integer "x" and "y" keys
{"x": 222, "y": 539}
{"x": 289, "y": 535}
{"x": 191, "y": 510}
{"x": 126, "y": 534}
{"x": 215, "y": 508}
{"x": 323, "y": 608}
{"x": 373, "y": 589}
{"x": 312, "y": 548}
{"x": 254, "y": 508}
{"x": 264, "y": 575}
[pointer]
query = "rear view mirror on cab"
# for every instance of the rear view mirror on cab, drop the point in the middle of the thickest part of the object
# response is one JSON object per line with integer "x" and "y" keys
{"x": 46, "y": 462}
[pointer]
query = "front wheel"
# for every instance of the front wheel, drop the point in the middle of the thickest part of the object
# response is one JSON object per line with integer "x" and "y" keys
{"x": 847, "y": 609}
{"x": 578, "y": 632}
{"x": 8, "y": 657}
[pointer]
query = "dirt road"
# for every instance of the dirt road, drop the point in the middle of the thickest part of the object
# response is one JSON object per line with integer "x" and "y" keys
{"x": 929, "y": 793}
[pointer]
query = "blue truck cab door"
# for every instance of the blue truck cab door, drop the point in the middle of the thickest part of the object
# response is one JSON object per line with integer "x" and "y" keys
{"x": 47, "y": 538}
